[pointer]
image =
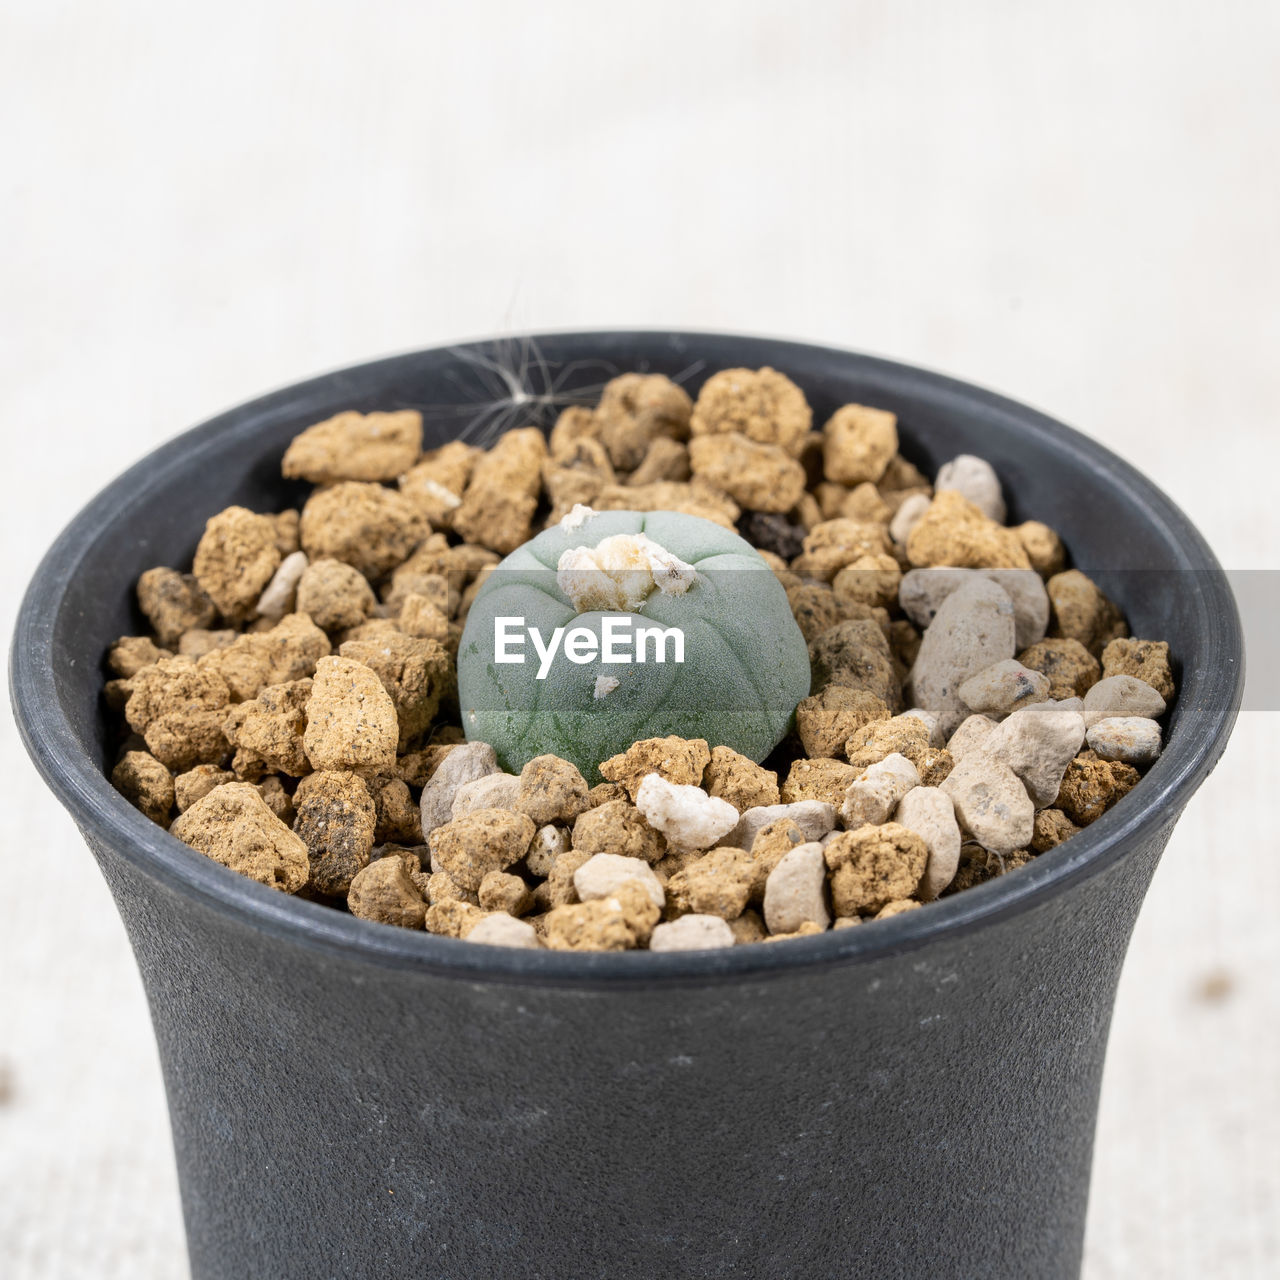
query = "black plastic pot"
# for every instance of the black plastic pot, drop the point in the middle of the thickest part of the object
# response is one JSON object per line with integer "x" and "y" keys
{"x": 914, "y": 1098}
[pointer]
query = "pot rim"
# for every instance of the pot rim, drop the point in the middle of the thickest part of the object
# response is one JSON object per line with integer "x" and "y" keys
{"x": 1208, "y": 702}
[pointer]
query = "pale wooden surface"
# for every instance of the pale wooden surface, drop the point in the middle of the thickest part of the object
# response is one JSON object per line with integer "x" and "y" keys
{"x": 1074, "y": 205}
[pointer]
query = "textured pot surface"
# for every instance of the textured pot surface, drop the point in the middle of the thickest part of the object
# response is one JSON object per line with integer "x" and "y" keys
{"x": 913, "y": 1099}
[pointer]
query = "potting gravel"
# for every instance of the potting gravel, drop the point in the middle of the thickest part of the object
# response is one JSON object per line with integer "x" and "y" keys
{"x": 293, "y": 711}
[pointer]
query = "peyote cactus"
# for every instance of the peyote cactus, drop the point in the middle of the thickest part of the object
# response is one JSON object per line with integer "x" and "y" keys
{"x": 711, "y": 648}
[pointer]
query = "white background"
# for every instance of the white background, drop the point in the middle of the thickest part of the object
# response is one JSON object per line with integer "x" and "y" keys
{"x": 1075, "y": 204}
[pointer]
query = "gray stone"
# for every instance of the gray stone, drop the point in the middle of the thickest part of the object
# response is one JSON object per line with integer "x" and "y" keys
{"x": 502, "y": 930}
{"x": 603, "y": 873}
{"x": 922, "y": 591}
{"x": 1037, "y": 743}
{"x": 1003, "y": 687}
{"x": 975, "y": 478}
{"x": 795, "y": 891}
{"x": 1122, "y": 696}
{"x": 929, "y": 812}
{"x": 692, "y": 933}
{"x": 972, "y": 732}
{"x": 815, "y": 818}
{"x": 991, "y": 804}
{"x": 493, "y": 791}
{"x": 973, "y": 628}
{"x": 874, "y": 794}
{"x": 1131, "y": 739}
{"x": 278, "y": 597}
{"x": 907, "y": 517}
{"x": 465, "y": 763}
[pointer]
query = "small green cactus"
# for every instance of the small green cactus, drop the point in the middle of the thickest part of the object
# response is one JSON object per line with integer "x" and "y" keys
{"x": 714, "y": 650}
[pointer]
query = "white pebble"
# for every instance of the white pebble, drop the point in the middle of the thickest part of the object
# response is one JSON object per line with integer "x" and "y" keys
{"x": 576, "y": 518}
{"x": 907, "y": 517}
{"x": 687, "y": 816}
{"x": 922, "y": 591}
{"x": 445, "y": 497}
{"x": 875, "y": 793}
{"x": 1131, "y": 739}
{"x": 604, "y": 686}
{"x": 973, "y": 628}
{"x": 973, "y": 731}
{"x": 1003, "y": 687}
{"x": 991, "y": 803}
{"x": 928, "y": 812}
{"x": 692, "y": 933}
{"x": 278, "y": 596}
{"x": 502, "y": 930}
{"x": 794, "y": 891}
{"x": 1121, "y": 696}
{"x": 930, "y": 722}
{"x": 976, "y": 479}
{"x": 814, "y": 818}
{"x": 603, "y": 874}
{"x": 493, "y": 791}
{"x": 621, "y": 573}
{"x": 1037, "y": 743}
